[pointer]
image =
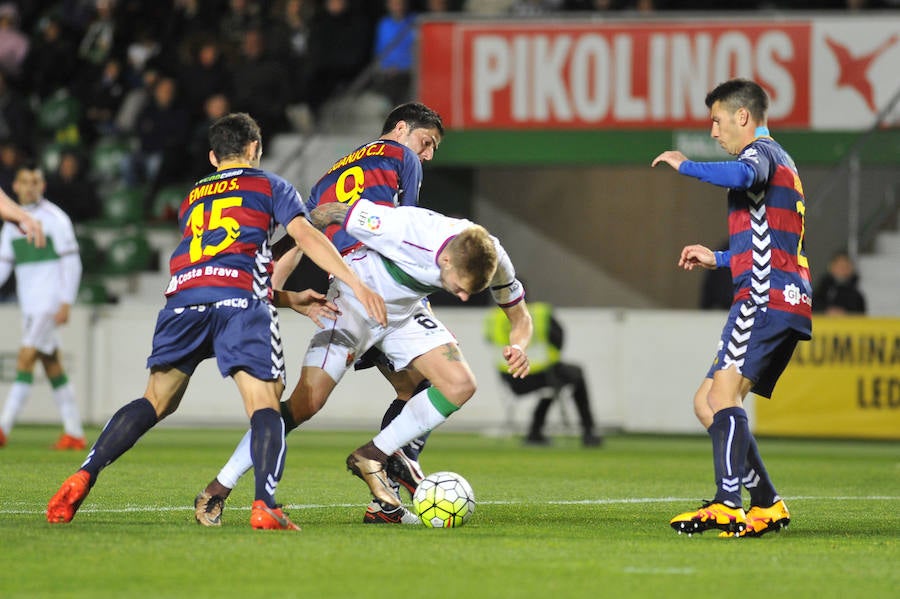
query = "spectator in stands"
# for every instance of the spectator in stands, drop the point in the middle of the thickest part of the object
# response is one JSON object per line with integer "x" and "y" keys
{"x": 287, "y": 36}
{"x": 99, "y": 40}
{"x": 215, "y": 107}
{"x": 260, "y": 84}
{"x": 394, "y": 42}
{"x": 11, "y": 158}
{"x": 162, "y": 129}
{"x": 14, "y": 45}
{"x": 16, "y": 118}
{"x": 51, "y": 59}
{"x": 70, "y": 187}
{"x": 837, "y": 292}
{"x": 205, "y": 75}
{"x": 102, "y": 97}
{"x": 240, "y": 17}
{"x": 340, "y": 44}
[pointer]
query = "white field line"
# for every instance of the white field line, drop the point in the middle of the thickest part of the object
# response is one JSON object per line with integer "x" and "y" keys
{"x": 27, "y": 509}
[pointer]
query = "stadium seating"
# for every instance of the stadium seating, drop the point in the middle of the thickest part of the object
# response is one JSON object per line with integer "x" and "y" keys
{"x": 108, "y": 158}
{"x": 58, "y": 117}
{"x": 128, "y": 254}
{"x": 123, "y": 206}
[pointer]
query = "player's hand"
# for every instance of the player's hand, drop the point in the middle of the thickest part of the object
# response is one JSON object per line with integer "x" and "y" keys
{"x": 309, "y": 303}
{"x": 33, "y": 231}
{"x": 697, "y": 255}
{"x": 673, "y": 158}
{"x": 373, "y": 303}
{"x": 62, "y": 315}
{"x": 516, "y": 361}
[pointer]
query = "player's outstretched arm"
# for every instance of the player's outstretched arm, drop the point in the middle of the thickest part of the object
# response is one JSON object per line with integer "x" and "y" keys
{"x": 520, "y": 332}
{"x": 30, "y": 226}
{"x": 321, "y": 251}
{"x": 697, "y": 255}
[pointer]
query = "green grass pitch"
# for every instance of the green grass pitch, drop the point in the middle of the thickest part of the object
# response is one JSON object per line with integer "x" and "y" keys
{"x": 559, "y": 522}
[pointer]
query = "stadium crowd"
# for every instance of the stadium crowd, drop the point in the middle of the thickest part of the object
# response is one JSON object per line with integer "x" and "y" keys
{"x": 74, "y": 73}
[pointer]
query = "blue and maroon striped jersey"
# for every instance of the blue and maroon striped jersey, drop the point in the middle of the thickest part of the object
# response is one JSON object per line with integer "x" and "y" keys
{"x": 227, "y": 220}
{"x": 766, "y": 227}
{"x": 382, "y": 171}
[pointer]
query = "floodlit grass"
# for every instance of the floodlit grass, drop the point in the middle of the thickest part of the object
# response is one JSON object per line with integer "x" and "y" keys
{"x": 554, "y": 522}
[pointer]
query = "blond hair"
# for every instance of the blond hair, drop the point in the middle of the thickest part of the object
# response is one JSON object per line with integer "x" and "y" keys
{"x": 474, "y": 255}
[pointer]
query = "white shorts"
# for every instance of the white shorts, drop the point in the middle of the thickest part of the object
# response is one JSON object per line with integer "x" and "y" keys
{"x": 412, "y": 329}
{"x": 39, "y": 331}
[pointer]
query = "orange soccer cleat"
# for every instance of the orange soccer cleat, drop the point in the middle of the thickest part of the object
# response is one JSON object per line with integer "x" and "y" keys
{"x": 65, "y": 503}
{"x": 262, "y": 517}
{"x": 67, "y": 441}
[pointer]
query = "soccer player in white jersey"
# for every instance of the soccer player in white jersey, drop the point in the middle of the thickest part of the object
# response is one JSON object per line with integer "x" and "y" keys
{"x": 47, "y": 280}
{"x": 409, "y": 252}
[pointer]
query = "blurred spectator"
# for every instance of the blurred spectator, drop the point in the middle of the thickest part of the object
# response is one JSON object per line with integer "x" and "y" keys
{"x": 394, "y": 43}
{"x": 51, "y": 59}
{"x": 134, "y": 102}
{"x": 287, "y": 38}
{"x": 16, "y": 118}
{"x": 14, "y": 44}
{"x": 162, "y": 129}
{"x": 533, "y": 8}
{"x": 837, "y": 291}
{"x": 215, "y": 106}
{"x": 206, "y": 75}
{"x": 102, "y": 98}
{"x": 340, "y": 44}
{"x": 11, "y": 158}
{"x": 240, "y": 17}
{"x": 70, "y": 188}
{"x": 260, "y": 85}
{"x": 140, "y": 54}
{"x": 99, "y": 40}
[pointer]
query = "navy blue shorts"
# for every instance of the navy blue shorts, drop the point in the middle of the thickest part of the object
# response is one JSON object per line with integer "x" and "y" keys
{"x": 758, "y": 343}
{"x": 241, "y": 333}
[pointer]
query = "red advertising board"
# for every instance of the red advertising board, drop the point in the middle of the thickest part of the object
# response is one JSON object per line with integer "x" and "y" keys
{"x": 563, "y": 75}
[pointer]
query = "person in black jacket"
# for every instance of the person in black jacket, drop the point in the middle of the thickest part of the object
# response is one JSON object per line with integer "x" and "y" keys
{"x": 837, "y": 291}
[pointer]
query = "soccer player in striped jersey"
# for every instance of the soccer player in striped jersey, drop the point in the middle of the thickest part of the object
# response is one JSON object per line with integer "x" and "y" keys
{"x": 220, "y": 303}
{"x": 386, "y": 171}
{"x": 772, "y": 306}
{"x": 47, "y": 280}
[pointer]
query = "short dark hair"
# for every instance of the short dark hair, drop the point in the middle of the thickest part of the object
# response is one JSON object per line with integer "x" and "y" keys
{"x": 416, "y": 115}
{"x": 230, "y": 134}
{"x": 741, "y": 93}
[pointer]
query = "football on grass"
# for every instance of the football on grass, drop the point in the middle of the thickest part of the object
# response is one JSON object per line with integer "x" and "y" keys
{"x": 444, "y": 500}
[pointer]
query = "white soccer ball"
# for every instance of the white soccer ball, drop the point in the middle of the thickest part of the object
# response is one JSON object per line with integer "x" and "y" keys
{"x": 444, "y": 500}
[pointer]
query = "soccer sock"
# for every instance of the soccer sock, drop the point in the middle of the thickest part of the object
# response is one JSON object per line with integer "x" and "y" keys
{"x": 238, "y": 464}
{"x": 68, "y": 409}
{"x": 15, "y": 400}
{"x": 425, "y": 411}
{"x": 118, "y": 436}
{"x": 267, "y": 448}
{"x": 288, "y": 416}
{"x": 414, "y": 447}
{"x": 756, "y": 478}
{"x": 730, "y": 434}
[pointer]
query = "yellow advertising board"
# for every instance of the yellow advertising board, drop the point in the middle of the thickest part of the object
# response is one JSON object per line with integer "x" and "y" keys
{"x": 844, "y": 383}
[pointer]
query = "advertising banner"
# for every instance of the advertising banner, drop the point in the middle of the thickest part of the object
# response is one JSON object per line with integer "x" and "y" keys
{"x": 844, "y": 383}
{"x": 828, "y": 74}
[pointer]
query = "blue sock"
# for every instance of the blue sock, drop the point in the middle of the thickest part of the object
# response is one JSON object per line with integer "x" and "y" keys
{"x": 756, "y": 478}
{"x": 267, "y": 449}
{"x": 122, "y": 431}
{"x": 730, "y": 434}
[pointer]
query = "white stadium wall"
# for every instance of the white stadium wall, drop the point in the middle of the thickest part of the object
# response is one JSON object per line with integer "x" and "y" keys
{"x": 642, "y": 369}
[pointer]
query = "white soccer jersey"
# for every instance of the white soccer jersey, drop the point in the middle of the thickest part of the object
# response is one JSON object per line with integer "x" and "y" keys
{"x": 45, "y": 277}
{"x": 412, "y": 237}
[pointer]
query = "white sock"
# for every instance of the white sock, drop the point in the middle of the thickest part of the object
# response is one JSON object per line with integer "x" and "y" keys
{"x": 68, "y": 410}
{"x": 15, "y": 400}
{"x": 238, "y": 464}
{"x": 417, "y": 418}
